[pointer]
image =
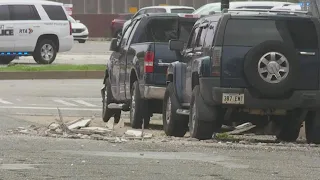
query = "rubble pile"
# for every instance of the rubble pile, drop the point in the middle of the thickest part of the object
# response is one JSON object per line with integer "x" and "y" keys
{"x": 79, "y": 129}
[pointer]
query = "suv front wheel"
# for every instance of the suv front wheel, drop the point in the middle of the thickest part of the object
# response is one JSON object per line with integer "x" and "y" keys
{"x": 45, "y": 52}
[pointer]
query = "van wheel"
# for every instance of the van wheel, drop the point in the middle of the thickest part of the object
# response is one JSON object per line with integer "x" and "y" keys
{"x": 6, "y": 59}
{"x": 203, "y": 120}
{"x": 290, "y": 127}
{"x": 137, "y": 109}
{"x": 45, "y": 52}
{"x": 312, "y": 127}
{"x": 173, "y": 123}
{"x": 107, "y": 113}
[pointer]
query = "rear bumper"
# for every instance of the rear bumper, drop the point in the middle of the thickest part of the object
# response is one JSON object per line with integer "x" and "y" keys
{"x": 154, "y": 92}
{"x": 213, "y": 95}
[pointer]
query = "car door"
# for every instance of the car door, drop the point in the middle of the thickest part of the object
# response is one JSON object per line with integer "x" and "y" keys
{"x": 187, "y": 58}
{"x": 119, "y": 65}
{"x": 6, "y": 30}
{"x": 26, "y": 23}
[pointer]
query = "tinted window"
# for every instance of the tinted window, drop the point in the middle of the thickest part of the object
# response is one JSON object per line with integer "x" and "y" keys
{"x": 193, "y": 38}
{"x": 150, "y": 11}
{"x": 301, "y": 33}
{"x": 250, "y": 32}
{"x": 202, "y": 35}
{"x": 133, "y": 32}
{"x": 160, "y": 10}
{"x": 126, "y": 35}
{"x": 210, "y": 35}
{"x": 182, "y": 10}
{"x": 23, "y": 12}
{"x": 55, "y": 12}
{"x": 185, "y": 28}
{"x": 4, "y": 13}
{"x": 162, "y": 30}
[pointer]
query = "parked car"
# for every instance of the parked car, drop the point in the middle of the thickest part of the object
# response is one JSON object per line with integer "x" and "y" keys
{"x": 161, "y": 9}
{"x": 216, "y": 7}
{"x": 291, "y": 7}
{"x": 117, "y": 24}
{"x": 80, "y": 31}
{"x": 135, "y": 78}
{"x": 237, "y": 67}
{"x": 46, "y": 32}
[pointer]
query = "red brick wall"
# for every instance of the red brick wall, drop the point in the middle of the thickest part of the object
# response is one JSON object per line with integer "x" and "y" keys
{"x": 98, "y": 24}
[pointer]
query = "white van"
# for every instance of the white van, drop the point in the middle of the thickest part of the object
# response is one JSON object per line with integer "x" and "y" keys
{"x": 33, "y": 28}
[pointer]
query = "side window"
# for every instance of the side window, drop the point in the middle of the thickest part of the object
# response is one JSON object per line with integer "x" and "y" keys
{"x": 160, "y": 10}
{"x": 303, "y": 34}
{"x": 126, "y": 35}
{"x": 4, "y": 13}
{"x": 193, "y": 38}
{"x": 55, "y": 12}
{"x": 133, "y": 33}
{"x": 151, "y": 10}
{"x": 202, "y": 34}
{"x": 139, "y": 13}
{"x": 208, "y": 42}
{"x": 23, "y": 12}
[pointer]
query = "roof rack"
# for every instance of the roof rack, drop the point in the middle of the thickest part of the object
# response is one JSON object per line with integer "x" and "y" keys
{"x": 269, "y": 11}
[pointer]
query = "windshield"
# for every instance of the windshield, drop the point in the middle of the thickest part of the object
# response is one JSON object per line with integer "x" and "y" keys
{"x": 206, "y": 9}
{"x": 71, "y": 19}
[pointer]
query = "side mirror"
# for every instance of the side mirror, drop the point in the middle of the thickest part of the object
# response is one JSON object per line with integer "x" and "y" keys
{"x": 77, "y": 21}
{"x": 114, "y": 44}
{"x": 176, "y": 45}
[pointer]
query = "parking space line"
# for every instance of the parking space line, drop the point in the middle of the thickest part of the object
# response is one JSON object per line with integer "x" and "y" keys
{"x": 64, "y": 102}
{"x": 85, "y": 103}
{"x": 5, "y": 102}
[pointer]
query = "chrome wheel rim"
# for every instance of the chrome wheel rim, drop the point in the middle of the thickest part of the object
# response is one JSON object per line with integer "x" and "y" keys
{"x": 273, "y": 67}
{"x": 168, "y": 111}
{"x": 47, "y": 52}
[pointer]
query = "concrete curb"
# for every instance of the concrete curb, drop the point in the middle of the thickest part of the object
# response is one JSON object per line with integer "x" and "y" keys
{"x": 52, "y": 75}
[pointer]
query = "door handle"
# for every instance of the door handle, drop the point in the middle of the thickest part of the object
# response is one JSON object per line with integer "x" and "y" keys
{"x": 308, "y": 53}
{"x": 198, "y": 53}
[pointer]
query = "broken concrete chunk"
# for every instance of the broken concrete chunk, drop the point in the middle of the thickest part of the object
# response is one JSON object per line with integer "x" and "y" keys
{"x": 135, "y": 133}
{"x": 80, "y": 124}
{"x": 244, "y": 125}
{"x": 54, "y": 126}
{"x": 96, "y": 129}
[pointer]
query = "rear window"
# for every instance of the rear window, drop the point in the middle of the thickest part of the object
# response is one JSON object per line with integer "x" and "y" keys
{"x": 181, "y": 10}
{"x": 55, "y": 12}
{"x": 299, "y": 32}
{"x": 163, "y": 30}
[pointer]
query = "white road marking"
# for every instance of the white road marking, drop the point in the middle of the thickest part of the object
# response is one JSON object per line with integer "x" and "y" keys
{"x": 64, "y": 102}
{"x": 5, "y": 102}
{"x": 85, "y": 103}
{"x": 49, "y": 108}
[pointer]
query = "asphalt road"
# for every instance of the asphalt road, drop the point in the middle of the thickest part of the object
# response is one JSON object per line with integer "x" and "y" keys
{"x": 30, "y": 157}
{"x": 91, "y": 52}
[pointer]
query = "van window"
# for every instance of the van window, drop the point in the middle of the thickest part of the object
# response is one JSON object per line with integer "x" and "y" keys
{"x": 23, "y": 12}
{"x": 4, "y": 13}
{"x": 55, "y": 12}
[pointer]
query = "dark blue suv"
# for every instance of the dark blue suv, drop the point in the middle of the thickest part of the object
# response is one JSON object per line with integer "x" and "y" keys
{"x": 236, "y": 67}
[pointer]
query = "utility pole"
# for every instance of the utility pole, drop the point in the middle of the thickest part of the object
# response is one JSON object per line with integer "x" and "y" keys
{"x": 224, "y": 4}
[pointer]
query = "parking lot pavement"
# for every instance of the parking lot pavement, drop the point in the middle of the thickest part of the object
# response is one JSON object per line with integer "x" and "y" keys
{"x": 91, "y": 52}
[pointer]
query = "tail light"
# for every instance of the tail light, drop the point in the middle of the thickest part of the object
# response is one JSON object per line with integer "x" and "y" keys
{"x": 148, "y": 62}
{"x": 112, "y": 22}
{"x": 70, "y": 27}
{"x": 216, "y": 59}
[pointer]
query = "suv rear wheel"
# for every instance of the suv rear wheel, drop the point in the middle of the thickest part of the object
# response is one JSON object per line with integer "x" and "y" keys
{"x": 45, "y": 52}
{"x": 106, "y": 100}
{"x": 203, "y": 120}
{"x": 290, "y": 127}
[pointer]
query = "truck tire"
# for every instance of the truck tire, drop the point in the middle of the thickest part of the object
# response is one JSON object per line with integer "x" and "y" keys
{"x": 203, "y": 120}
{"x": 137, "y": 109}
{"x": 290, "y": 127}
{"x": 173, "y": 123}
{"x": 312, "y": 127}
{"x": 106, "y": 100}
{"x": 6, "y": 59}
{"x": 45, "y": 52}
{"x": 267, "y": 58}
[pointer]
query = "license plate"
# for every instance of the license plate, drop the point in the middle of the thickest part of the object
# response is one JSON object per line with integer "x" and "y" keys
{"x": 232, "y": 98}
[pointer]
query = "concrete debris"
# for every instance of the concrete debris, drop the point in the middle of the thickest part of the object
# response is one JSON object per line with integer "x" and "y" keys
{"x": 96, "y": 129}
{"x": 136, "y": 133}
{"x": 241, "y": 129}
{"x": 54, "y": 126}
{"x": 80, "y": 124}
